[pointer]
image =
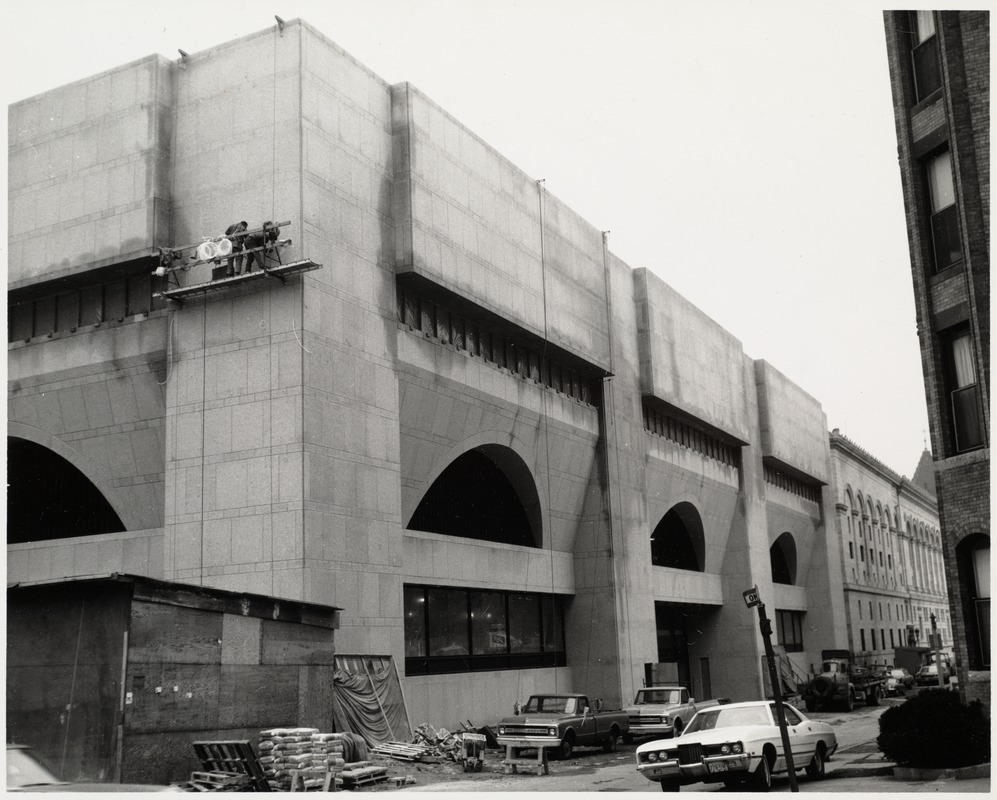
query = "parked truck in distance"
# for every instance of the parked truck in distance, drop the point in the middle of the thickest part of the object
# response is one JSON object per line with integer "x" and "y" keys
{"x": 841, "y": 680}
{"x": 560, "y": 723}
{"x": 662, "y": 711}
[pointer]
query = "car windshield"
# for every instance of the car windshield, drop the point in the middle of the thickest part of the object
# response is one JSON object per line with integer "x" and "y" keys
{"x": 896, "y": 673}
{"x": 727, "y": 717}
{"x": 24, "y": 769}
{"x": 551, "y": 704}
{"x": 656, "y": 697}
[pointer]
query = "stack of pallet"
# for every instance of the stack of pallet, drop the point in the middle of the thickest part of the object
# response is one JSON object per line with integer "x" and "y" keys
{"x": 401, "y": 751}
{"x": 362, "y": 773}
{"x": 300, "y": 758}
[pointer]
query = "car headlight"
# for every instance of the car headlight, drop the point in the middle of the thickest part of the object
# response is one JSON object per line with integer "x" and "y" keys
{"x": 552, "y": 731}
{"x": 737, "y": 747}
{"x": 725, "y": 749}
{"x": 652, "y": 756}
{"x": 664, "y": 720}
{"x": 501, "y": 730}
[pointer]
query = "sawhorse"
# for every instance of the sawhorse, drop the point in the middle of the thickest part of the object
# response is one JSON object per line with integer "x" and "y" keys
{"x": 512, "y": 760}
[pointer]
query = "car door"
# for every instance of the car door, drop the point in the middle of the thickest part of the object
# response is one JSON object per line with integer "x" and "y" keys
{"x": 803, "y": 736}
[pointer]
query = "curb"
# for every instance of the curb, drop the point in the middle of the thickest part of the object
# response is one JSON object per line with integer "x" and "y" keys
{"x": 860, "y": 772}
{"x": 958, "y": 773}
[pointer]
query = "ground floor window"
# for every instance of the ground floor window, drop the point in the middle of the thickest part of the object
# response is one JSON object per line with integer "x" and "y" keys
{"x": 466, "y": 630}
{"x": 790, "y": 625}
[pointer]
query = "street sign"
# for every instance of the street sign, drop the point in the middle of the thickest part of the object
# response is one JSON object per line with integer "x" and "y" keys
{"x": 751, "y": 597}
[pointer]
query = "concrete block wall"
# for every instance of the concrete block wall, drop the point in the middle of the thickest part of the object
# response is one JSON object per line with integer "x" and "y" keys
{"x": 129, "y": 552}
{"x": 98, "y": 401}
{"x": 793, "y": 427}
{"x": 352, "y": 545}
{"x": 89, "y": 167}
{"x": 475, "y": 224}
{"x": 234, "y": 496}
{"x": 687, "y": 359}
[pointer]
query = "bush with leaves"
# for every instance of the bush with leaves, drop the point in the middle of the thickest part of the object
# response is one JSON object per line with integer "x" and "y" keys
{"x": 935, "y": 730}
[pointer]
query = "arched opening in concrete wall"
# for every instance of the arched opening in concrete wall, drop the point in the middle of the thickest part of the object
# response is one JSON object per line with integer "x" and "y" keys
{"x": 973, "y": 566}
{"x": 678, "y": 540}
{"x": 487, "y": 493}
{"x": 782, "y": 555}
{"x": 49, "y": 498}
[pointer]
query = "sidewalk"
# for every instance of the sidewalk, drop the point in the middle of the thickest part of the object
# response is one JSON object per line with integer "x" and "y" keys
{"x": 862, "y": 768}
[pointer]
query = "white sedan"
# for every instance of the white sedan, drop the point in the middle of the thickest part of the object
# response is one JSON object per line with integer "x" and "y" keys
{"x": 736, "y": 744}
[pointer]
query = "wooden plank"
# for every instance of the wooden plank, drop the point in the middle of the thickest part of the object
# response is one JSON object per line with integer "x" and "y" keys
{"x": 255, "y": 695}
{"x": 167, "y": 710}
{"x": 291, "y": 643}
{"x": 174, "y": 634}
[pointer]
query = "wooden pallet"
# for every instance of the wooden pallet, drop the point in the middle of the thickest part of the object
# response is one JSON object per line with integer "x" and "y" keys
{"x": 363, "y": 776}
{"x": 232, "y": 757}
{"x": 401, "y": 751}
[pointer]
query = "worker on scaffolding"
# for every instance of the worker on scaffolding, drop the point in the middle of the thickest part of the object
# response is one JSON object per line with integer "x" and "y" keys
{"x": 262, "y": 239}
{"x": 235, "y": 263}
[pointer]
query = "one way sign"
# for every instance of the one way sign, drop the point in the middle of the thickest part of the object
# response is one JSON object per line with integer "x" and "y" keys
{"x": 751, "y": 597}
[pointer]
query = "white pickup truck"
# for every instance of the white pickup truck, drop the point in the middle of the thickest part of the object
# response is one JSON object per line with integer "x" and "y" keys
{"x": 662, "y": 711}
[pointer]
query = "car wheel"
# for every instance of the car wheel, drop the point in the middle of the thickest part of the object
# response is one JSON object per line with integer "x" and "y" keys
{"x": 811, "y": 705}
{"x": 567, "y": 747}
{"x": 609, "y": 745}
{"x": 850, "y": 701}
{"x": 763, "y": 775}
{"x": 872, "y": 696}
{"x": 670, "y": 785}
{"x": 815, "y": 769}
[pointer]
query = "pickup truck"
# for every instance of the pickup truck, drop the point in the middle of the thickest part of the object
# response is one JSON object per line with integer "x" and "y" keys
{"x": 560, "y": 723}
{"x": 662, "y": 711}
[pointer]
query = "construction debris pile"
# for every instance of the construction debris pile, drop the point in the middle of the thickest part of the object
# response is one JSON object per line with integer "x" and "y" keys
{"x": 430, "y": 745}
{"x": 302, "y": 757}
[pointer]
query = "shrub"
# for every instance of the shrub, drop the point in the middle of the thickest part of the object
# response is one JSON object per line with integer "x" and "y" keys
{"x": 934, "y": 730}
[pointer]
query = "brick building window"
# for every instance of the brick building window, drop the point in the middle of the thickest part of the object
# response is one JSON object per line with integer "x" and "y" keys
{"x": 961, "y": 386}
{"x": 945, "y": 236}
{"x": 924, "y": 54}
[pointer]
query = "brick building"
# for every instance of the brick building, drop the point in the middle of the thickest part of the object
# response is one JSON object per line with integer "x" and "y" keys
{"x": 891, "y": 556}
{"x": 513, "y": 461}
{"x": 940, "y": 75}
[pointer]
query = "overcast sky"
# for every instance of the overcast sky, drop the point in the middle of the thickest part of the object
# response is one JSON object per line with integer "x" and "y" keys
{"x": 744, "y": 152}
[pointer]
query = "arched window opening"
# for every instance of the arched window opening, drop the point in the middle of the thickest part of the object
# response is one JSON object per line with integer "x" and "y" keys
{"x": 678, "y": 541}
{"x": 49, "y": 498}
{"x": 783, "y": 557}
{"x": 487, "y": 494}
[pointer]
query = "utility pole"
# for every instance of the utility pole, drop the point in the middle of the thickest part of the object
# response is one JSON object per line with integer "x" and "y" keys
{"x": 751, "y": 599}
{"x": 936, "y": 646}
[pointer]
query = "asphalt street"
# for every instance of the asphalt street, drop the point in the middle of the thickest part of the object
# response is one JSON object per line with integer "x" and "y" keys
{"x": 858, "y": 766}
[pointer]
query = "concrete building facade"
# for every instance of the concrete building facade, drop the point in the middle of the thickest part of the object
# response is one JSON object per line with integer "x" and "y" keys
{"x": 515, "y": 462}
{"x": 940, "y": 76}
{"x": 893, "y": 570}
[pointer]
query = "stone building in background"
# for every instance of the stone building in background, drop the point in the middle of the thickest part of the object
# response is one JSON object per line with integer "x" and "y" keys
{"x": 512, "y": 461}
{"x": 891, "y": 555}
{"x": 940, "y": 74}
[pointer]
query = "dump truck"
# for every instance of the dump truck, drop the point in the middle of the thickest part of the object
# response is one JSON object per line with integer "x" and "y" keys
{"x": 841, "y": 680}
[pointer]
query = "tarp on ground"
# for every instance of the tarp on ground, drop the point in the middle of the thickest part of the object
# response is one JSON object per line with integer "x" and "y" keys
{"x": 368, "y": 699}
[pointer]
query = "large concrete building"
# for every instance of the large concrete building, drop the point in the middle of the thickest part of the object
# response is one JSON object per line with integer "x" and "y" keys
{"x": 940, "y": 75}
{"x": 515, "y": 462}
{"x": 891, "y": 556}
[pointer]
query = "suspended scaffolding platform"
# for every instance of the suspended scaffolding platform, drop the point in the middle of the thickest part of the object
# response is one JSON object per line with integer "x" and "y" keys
{"x": 280, "y": 272}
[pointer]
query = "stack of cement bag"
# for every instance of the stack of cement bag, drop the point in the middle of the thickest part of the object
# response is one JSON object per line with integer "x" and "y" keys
{"x": 287, "y": 754}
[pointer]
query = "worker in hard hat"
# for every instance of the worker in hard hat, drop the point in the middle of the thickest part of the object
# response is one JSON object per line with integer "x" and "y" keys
{"x": 232, "y": 232}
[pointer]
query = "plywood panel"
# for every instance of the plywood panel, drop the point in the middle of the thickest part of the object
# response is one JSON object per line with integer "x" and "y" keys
{"x": 287, "y": 643}
{"x": 257, "y": 696}
{"x": 315, "y": 692}
{"x": 174, "y": 634}
{"x": 193, "y": 706}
